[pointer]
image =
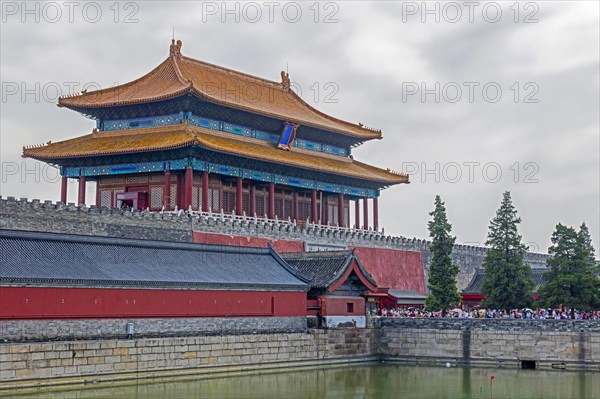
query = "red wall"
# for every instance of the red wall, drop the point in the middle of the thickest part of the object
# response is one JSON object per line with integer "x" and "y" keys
{"x": 247, "y": 241}
{"x": 57, "y": 303}
{"x": 338, "y": 306}
{"x": 394, "y": 269}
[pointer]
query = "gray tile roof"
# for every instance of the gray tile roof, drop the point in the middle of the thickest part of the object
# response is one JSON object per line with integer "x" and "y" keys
{"x": 323, "y": 268}
{"x": 407, "y": 297}
{"x": 476, "y": 282}
{"x": 412, "y": 294}
{"x": 47, "y": 258}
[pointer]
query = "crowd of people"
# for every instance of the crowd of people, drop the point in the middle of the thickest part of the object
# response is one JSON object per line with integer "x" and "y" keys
{"x": 538, "y": 314}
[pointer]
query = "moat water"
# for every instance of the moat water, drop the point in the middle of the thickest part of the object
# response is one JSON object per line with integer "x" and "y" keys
{"x": 374, "y": 381}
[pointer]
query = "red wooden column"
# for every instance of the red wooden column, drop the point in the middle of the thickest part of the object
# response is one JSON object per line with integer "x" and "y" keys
{"x": 180, "y": 190}
{"x": 357, "y": 214}
{"x": 375, "y": 213}
{"x": 294, "y": 205}
{"x": 366, "y": 212}
{"x": 239, "y": 204}
{"x": 204, "y": 191}
{"x": 341, "y": 213}
{"x": 63, "y": 189}
{"x": 167, "y": 191}
{"x": 271, "y": 214}
{"x": 81, "y": 194}
{"x": 313, "y": 205}
{"x": 324, "y": 210}
{"x": 252, "y": 199}
{"x": 187, "y": 190}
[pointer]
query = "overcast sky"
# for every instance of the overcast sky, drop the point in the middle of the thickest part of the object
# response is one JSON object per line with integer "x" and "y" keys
{"x": 517, "y": 90}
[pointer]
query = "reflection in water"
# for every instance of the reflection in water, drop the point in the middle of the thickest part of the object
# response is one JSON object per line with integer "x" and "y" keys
{"x": 366, "y": 381}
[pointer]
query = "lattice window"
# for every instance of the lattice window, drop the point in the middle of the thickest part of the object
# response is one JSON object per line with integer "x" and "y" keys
{"x": 115, "y": 192}
{"x": 304, "y": 210}
{"x": 214, "y": 198}
{"x": 332, "y": 214}
{"x": 260, "y": 206}
{"x": 287, "y": 208}
{"x": 199, "y": 198}
{"x": 140, "y": 178}
{"x": 156, "y": 197}
{"x": 195, "y": 198}
{"x": 112, "y": 179}
{"x": 246, "y": 203}
{"x": 106, "y": 198}
{"x": 229, "y": 201}
{"x": 279, "y": 207}
{"x": 173, "y": 200}
{"x": 157, "y": 177}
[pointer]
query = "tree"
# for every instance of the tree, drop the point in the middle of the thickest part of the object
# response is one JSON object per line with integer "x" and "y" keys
{"x": 508, "y": 282}
{"x": 572, "y": 279}
{"x": 442, "y": 272}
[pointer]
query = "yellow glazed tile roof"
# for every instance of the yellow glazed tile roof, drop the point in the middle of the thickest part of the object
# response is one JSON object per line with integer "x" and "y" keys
{"x": 179, "y": 74}
{"x": 183, "y": 135}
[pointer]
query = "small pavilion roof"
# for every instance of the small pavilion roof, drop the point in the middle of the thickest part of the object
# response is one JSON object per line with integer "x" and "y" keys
{"x": 171, "y": 137}
{"x": 324, "y": 268}
{"x": 63, "y": 259}
{"x": 179, "y": 75}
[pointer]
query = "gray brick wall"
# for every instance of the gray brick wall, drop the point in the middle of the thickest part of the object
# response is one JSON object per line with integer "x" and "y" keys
{"x": 78, "y": 329}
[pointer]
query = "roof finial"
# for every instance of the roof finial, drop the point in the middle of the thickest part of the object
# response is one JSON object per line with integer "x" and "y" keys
{"x": 285, "y": 80}
{"x": 175, "y": 48}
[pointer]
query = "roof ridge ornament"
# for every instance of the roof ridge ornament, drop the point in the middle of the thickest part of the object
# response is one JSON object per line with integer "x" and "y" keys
{"x": 175, "y": 49}
{"x": 369, "y": 128}
{"x": 396, "y": 173}
{"x": 285, "y": 80}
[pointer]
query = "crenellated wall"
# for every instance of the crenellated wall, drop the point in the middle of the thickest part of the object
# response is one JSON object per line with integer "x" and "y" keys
{"x": 403, "y": 259}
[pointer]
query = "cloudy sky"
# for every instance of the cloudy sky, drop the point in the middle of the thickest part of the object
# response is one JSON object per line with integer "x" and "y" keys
{"x": 473, "y": 99}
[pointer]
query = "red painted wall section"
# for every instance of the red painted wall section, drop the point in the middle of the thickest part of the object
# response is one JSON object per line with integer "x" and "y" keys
{"x": 338, "y": 306}
{"x": 247, "y": 241}
{"x": 394, "y": 269}
{"x": 62, "y": 303}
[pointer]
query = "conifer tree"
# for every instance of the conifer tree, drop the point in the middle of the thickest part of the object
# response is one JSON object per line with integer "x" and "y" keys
{"x": 572, "y": 279}
{"x": 442, "y": 272}
{"x": 508, "y": 280}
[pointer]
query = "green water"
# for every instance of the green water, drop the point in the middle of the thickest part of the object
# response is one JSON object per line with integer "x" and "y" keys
{"x": 365, "y": 381}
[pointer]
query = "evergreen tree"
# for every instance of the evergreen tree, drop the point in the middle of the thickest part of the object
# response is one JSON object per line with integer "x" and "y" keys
{"x": 572, "y": 279}
{"x": 442, "y": 272}
{"x": 508, "y": 281}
